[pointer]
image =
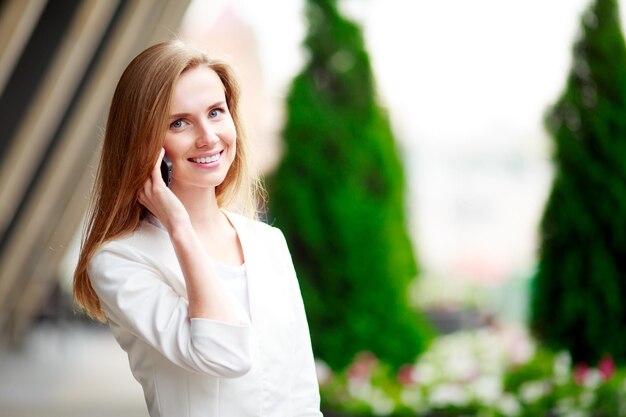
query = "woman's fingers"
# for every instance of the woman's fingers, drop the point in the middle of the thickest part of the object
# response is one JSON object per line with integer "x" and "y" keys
{"x": 157, "y": 164}
{"x": 146, "y": 193}
{"x": 156, "y": 169}
{"x": 160, "y": 200}
{"x": 151, "y": 194}
{"x": 155, "y": 175}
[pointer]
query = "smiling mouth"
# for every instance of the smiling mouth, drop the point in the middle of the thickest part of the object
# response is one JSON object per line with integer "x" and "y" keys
{"x": 207, "y": 159}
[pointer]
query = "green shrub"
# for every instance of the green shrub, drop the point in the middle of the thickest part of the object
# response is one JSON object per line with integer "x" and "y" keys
{"x": 579, "y": 289}
{"x": 338, "y": 195}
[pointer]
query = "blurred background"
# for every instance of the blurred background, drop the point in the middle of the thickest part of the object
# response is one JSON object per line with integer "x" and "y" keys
{"x": 463, "y": 85}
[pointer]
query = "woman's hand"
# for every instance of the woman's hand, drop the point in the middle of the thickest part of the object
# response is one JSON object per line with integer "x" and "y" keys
{"x": 160, "y": 200}
{"x": 205, "y": 293}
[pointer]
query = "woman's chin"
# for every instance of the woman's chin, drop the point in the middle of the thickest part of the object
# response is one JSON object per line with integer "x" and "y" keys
{"x": 196, "y": 186}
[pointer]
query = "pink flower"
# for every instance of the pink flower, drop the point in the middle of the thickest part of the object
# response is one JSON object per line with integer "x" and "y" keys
{"x": 581, "y": 371}
{"x": 362, "y": 366}
{"x": 407, "y": 375}
{"x": 606, "y": 367}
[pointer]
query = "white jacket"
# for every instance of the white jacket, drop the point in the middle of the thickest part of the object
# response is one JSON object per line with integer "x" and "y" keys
{"x": 202, "y": 367}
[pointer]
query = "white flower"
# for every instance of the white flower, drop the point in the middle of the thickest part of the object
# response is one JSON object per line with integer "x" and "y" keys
{"x": 519, "y": 346}
{"x": 323, "y": 371}
{"x": 461, "y": 367}
{"x": 361, "y": 389}
{"x": 425, "y": 373}
{"x": 381, "y": 404}
{"x": 508, "y": 405}
{"x": 561, "y": 367}
{"x": 593, "y": 378}
{"x": 532, "y": 391}
{"x": 487, "y": 389}
{"x": 449, "y": 394}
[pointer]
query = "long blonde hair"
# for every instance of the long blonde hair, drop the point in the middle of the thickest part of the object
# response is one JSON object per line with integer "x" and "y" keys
{"x": 134, "y": 136}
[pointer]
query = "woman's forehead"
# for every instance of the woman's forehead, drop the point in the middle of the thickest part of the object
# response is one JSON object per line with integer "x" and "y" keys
{"x": 199, "y": 86}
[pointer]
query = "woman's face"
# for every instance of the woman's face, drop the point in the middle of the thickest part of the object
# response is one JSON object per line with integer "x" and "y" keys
{"x": 201, "y": 136}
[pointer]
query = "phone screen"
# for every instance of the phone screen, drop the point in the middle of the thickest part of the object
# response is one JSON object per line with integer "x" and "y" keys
{"x": 166, "y": 170}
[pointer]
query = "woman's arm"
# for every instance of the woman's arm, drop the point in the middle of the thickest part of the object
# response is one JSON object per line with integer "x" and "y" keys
{"x": 207, "y": 297}
{"x": 138, "y": 300}
{"x": 200, "y": 333}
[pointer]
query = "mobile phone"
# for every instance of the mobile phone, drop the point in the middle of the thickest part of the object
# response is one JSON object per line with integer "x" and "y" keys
{"x": 166, "y": 170}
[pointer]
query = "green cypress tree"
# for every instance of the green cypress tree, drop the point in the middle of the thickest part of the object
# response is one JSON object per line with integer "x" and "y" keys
{"x": 580, "y": 287}
{"x": 338, "y": 195}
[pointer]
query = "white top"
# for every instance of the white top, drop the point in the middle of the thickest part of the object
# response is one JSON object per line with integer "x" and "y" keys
{"x": 201, "y": 367}
{"x": 235, "y": 280}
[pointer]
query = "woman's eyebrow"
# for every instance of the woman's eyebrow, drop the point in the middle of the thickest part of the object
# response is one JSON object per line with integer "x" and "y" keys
{"x": 179, "y": 115}
{"x": 220, "y": 103}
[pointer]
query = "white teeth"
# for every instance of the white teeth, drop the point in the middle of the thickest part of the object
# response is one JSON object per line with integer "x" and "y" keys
{"x": 206, "y": 160}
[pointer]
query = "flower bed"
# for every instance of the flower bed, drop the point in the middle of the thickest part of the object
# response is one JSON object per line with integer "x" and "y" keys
{"x": 489, "y": 372}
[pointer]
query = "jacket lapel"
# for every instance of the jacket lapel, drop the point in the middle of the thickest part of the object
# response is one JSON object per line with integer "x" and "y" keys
{"x": 244, "y": 226}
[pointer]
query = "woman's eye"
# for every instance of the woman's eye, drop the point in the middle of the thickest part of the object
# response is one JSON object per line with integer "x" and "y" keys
{"x": 215, "y": 113}
{"x": 177, "y": 124}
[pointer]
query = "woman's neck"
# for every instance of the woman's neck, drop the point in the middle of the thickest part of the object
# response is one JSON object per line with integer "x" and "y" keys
{"x": 202, "y": 207}
{"x": 217, "y": 234}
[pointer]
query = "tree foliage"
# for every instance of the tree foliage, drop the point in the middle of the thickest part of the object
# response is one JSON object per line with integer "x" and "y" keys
{"x": 338, "y": 195}
{"x": 580, "y": 286}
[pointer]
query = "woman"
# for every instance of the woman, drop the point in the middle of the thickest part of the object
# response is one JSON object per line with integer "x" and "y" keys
{"x": 204, "y": 301}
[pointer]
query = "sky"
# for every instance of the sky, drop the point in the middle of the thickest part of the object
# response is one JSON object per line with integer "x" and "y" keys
{"x": 483, "y": 61}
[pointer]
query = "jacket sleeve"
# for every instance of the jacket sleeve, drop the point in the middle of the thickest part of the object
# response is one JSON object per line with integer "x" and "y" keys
{"x": 304, "y": 386}
{"x": 135, "y": 297}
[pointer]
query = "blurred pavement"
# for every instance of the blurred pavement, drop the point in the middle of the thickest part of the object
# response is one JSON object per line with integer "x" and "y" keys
{"x": 68, "y": 370}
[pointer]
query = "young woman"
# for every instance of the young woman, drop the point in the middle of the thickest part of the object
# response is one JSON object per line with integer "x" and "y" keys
{"x": 204, "y": 301}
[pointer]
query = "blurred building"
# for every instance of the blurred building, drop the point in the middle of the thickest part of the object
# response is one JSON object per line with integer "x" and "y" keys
{"x": 59, "y": 63}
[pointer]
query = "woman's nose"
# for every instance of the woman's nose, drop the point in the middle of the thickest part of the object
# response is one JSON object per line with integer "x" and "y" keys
{"x": 206, "y": 137}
